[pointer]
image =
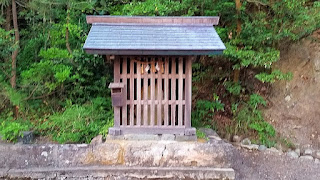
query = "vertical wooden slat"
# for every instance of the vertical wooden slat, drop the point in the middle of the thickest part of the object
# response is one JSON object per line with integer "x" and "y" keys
{"x": 152, "y": 111}
{"x": 188, "y": 89}
{"x": 180, "y": 92}
{"x": 124, "y": 80}
{"x": 145, "y": 96}
{"x": 173, "y": 91}
{"x": 116, "y": 80}
{"x": 166, "y": 91}
{"x": 138, "y": 93}
{"x": 159, "y": 110}
{"x": 131, "y": 91}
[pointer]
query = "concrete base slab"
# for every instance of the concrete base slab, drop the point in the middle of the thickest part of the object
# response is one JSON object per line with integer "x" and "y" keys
{"x": 120, "y": 172}
{"x": 117, "y": 153}
{"x": 152, "y": 137}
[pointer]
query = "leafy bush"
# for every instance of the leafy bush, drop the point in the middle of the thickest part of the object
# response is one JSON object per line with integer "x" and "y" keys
{"x": 205, "y": 110}
{"x": 11, "y": 130}
{"x": 6, "y": 43}
{"x": 250, "y": 118}
{"x": 274, "y": 76}
{"x": 233, "y": 88}
{"x": 78, "y": 123}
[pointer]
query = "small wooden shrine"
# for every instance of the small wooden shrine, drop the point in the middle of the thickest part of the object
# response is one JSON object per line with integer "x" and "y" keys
{"x": 152, "y": 88}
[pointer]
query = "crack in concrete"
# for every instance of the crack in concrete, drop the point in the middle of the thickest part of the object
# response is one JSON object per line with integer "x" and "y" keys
{"x": 165, "y": 147}
{"x": 7, "y": 173}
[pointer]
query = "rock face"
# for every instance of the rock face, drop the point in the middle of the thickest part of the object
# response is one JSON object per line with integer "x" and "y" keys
{"x": 246, "y": 141}
{"x": 96, "y": 140}
{"x": 251, "y": 146}
{"x": 317, "y": 154}
{"x": 292, "y": 154}
{"x": 236, "y": 138}
{"x": 262, "y": 148}
{"x": 208, "y": 132}
{"x": 294, "y": 105}
{"x": 308, "y": 152}
{"x": 306, "y": 158}
{"x": 27, "y": 137}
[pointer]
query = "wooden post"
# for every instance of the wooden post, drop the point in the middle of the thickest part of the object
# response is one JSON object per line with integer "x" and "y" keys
{"x": 152, "y": 84}
{"x": 116, "y": 71}
{"x": 188, "y": 90}
{"x": 124, "y": 80}
{"x": 131, "y": 91}
{"x": 145, "y": 96}
{"x": 166, "y": 91}
{"x": 159, "y": 110}
{"x": 180, "y": 93}
{"x": 173, "y": 91}
{"x": 139, "y": 93}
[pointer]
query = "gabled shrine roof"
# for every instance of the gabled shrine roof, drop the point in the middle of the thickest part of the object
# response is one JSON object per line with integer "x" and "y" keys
{"x": 137, "y": 35}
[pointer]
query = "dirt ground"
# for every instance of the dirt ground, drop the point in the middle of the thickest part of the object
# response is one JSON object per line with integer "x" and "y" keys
{"x": 295, "y": 104}
{"x": 272, "y": 166}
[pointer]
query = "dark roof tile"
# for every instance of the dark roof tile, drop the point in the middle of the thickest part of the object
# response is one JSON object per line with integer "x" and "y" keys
{"x": 164, "y": 39}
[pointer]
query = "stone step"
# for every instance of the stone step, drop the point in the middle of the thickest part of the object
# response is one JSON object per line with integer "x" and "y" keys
{"x": 119, "y": 172}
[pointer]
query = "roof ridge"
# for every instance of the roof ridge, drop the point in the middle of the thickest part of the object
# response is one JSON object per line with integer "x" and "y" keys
{"x": 150, "y": 24}
{"x": 213, "y": 20}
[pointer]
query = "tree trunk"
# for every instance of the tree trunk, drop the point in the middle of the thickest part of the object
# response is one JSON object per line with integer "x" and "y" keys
{"x": 15, "y": 53}
{"x": 236, "y": 72}
{"x": 238, "y": 7}
{"x": 7, "y": 26}
{"x": 67, "y": 34}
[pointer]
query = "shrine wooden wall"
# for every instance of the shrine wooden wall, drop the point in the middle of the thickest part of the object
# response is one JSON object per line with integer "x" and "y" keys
{"x": 158, "y": 94}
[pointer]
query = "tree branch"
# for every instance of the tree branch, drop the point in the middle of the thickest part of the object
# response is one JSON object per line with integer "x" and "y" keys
{"x": 34, "y": 90}
{"x": 4, "y": 72}
{"x": 42, "y": 96}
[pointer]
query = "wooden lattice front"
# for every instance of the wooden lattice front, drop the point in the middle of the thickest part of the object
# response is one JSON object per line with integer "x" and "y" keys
{"x": 157, "y": 93}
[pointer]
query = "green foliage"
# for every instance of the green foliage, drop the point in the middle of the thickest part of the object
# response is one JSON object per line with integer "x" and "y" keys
{"x": 47, "y": 75}
{"x": 158, "y": 8}
{"x": 249, "y": 57}
{"x": 14, "y": 97}
{"x": 249, "y": 117}
{"x": 274, "y": 76}
{"x": 11, "y": 130}
{"x": 205, "y": 110}
{"x": 256, "y": 100}
{"x": 6, "y": 43}
{"x": 200, "y": 134}
{"x": 233, "y": 88}
{"x": 78, "y": 123}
